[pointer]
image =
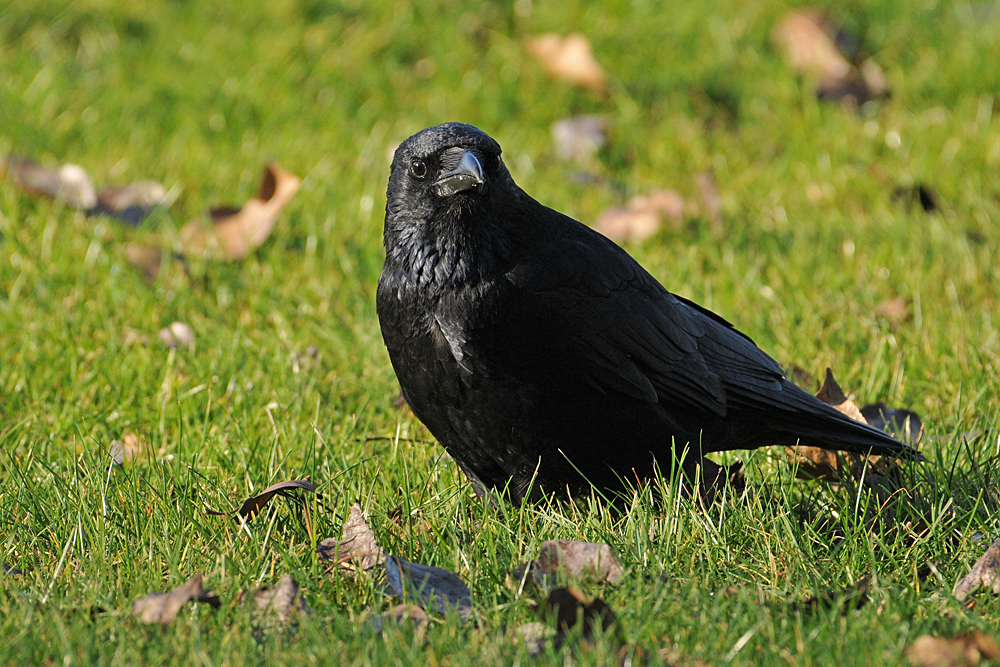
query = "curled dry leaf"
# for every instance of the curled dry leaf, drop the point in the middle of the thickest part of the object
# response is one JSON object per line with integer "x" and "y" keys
{"x": 984, "y": 573}
{"x": 68, "y": 183}
{"x": 145, "y": 259}
{"x": 177, "y": 334}
{"x": 429, "y": 586}
{"x": 816, "y": 462}
{"x": 236, "y": 232}
{"x": 570, "y": 59}
{"x": 594, "y": 559}
{"x": 131, "y": 203}
{"x": 280, "y": 604}
{"x": 254, "y": 504}
{"x": 812, "y": 44}
{"x": 642, "y": 218}
{"x": 894, "y": 310}
{"x": 399, "y": 614}
{"x": 966, "y": 650}
{"x": 357, "y": 549}
{"x": 163, "y": 607}
{"x": 579, "y": 138}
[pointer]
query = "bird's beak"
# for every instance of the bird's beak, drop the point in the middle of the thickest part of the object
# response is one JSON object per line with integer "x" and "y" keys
{"x": 467, "y": 175}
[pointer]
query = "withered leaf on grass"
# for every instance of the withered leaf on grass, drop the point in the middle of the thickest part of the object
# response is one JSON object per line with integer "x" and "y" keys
{"x": 163, "y": 607}
{"x": 894, "y": 310}
{"x": 816, "y": 462}
{"x": 10, "y": 571}
{"x": 128, "y": 448}
{"x": 237, "y": 231}
{"x": 984, "y": 573}
{"x": 398, "y": 615}
{"x": 280, "y": 604}
{"x": 68, "y": 183}
{"x": 177, "y": 334}
{"x": 569, "y": 58}
{"x": 131, "y": 203}
{"x": 812, "y": 44}
{"x": 429, "y": 586}
{"x": 966, "y": 650}
{"x": 595, "y": 559}
{"x": 535, "y": 636}
{"x": 642, "y": 217}
{"x": 252, "y": 505}
{"x": 357, "y": 548}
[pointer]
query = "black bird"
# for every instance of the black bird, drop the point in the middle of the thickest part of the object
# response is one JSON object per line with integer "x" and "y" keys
{"x": 544, "y": 358}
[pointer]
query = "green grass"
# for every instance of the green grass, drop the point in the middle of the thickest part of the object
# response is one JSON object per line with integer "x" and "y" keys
{"x": 198, "y": 95}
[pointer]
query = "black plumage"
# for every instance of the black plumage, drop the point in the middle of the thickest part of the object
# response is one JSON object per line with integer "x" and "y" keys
{"x": 543, "y": 357}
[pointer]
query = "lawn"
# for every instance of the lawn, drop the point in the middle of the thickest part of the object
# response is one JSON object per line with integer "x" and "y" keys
{"x": 287, "y": 376}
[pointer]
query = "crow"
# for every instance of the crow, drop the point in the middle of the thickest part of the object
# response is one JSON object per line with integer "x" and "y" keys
{"x": 544, "y": 358}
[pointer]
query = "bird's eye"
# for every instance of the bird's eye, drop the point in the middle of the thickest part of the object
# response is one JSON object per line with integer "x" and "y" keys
{"x": 418, "y": 168}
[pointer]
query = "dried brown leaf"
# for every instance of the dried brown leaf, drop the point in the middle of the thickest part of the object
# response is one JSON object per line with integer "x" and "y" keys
{"x": 803, "y": 39}
{"x": 578, "y": 139}
{"x": 357, "y": 548}
{"x": 593, "y": 559}
{"x": 254, "y": 504}
{"x": 128, "y": 448}
{"x": 145, "y": 259}
{"x": 429, "y": 586}
{"x": 397, "y": 615}
{"x": 237, "y": 231}
{"x": 177, "y": 334}
{"x": 68, "y": 183}
{"x": 281, "y": 604}
{"x": 625, "y": 225}
{"x": 831, "y": 394}
{"x": 966, "y": 650}
{"x": 984, "y": 573}
{"x": 535, "y": 636}
{"x": 131, "y": 203}
{"x": 894, "y": 310}
{"x": 163, "y": 607}
{"x": 570, "y": 59}
{"x": 10, "y": 571}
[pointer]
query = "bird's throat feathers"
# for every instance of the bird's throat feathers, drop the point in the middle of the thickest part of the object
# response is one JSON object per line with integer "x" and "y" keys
{"x": 446, "y": 251}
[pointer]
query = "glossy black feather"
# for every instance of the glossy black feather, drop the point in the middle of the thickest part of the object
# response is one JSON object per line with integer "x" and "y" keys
{"x": 537, "y": 350}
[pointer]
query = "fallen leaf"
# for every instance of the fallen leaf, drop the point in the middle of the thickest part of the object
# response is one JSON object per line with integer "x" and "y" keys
{"x": 642, "y": 218}
{"x": 804, "y": 41}
{"x": 68, "y": 183}
{"x": 966, "y": 650}
{"x": 131, "y": 203}
{"x": 568, "y": 607}
{"x": 357, "y": 548}
{"x": 569, "y": 58}
{"x": 145, "y": 259}
{"x": 429, "y": 586}
{"x": 711, "y": 201}
{"x": 578, "y": 139}
{"x": 163, "y": 607}
{"x": 625, "y": 225}
{"x": 902, "y": 424}
{"x": 281, "y": 604}
{"x": 831, "y": 394}
{"x": 177, "y": 334}
{"x": 813, "y": 45}
{"x": 894, "y": 310}
{"x": 252, "y": 505}
{"x": 983, "y": 574}
{"x": 238, "y": 231}
{"x": 596, "y": 559}
{"x": 398, "y": 614}
{"x": 10, "y": 571}
{"x": 816, "y": 462}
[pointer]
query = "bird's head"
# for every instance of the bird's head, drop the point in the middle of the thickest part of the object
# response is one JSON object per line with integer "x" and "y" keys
{"x": 448, "y": 194}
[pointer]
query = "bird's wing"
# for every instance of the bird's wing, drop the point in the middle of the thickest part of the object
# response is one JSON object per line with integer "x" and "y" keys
{"x": 603, "y": 314}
